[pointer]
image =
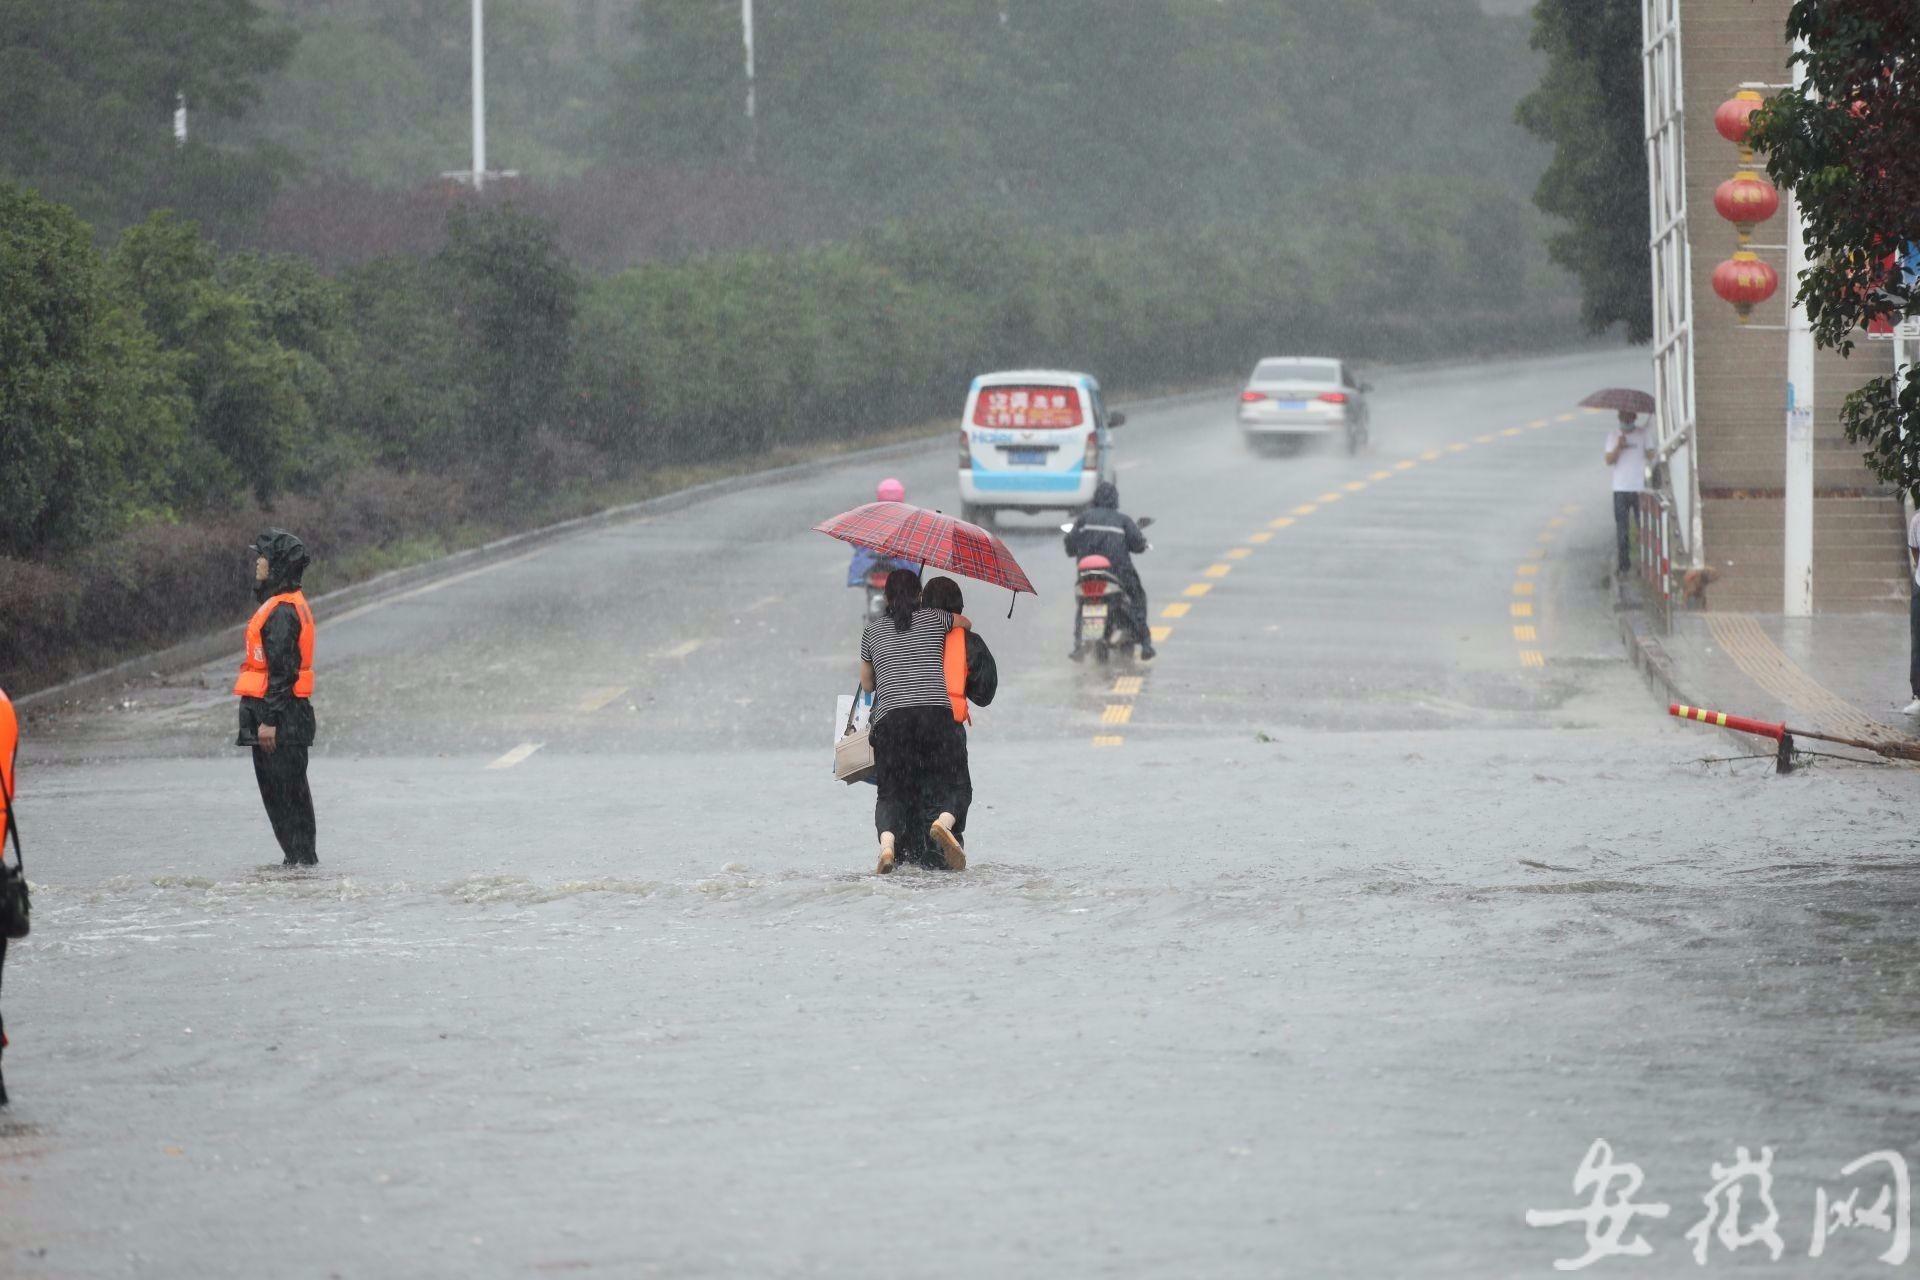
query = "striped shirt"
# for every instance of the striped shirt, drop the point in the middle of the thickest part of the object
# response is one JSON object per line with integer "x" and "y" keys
{"x": 907, "y": 670}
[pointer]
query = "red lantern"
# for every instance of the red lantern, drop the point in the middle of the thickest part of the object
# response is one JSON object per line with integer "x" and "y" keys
{"x": 1735, "y": 118}
{"x": 1745, "y": 199}
{"x": 1735, "y": 115}
{"x": 1745, "y": 281}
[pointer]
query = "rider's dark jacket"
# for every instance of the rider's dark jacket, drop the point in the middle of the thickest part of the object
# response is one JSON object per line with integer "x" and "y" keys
{"x": 1101, "y": 530}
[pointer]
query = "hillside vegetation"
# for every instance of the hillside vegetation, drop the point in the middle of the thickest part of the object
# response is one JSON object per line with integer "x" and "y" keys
{"x": 289, "y": 319}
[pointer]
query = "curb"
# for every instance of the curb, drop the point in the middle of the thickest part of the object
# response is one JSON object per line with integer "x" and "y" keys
{"x": 207, "y": 648}
{"x": 1649, "y": 655}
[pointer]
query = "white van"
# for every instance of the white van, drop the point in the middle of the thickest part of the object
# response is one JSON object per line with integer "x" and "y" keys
{"x": 1033, "y": 440}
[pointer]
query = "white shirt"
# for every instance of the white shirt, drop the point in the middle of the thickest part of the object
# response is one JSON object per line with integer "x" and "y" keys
{"x": 1630, "y": 468}
{"x": 1913, "y": 540}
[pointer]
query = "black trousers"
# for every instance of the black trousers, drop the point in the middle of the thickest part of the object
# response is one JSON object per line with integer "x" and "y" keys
{"x": 1625, "y": 507}
{"x": 3, "y": 1023}
{"x": 920, "y": 764}
{"x": 1913, "y": 647}
{"x": 282, "y": 775}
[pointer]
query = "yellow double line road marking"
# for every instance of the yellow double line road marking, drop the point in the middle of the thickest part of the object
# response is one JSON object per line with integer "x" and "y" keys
{"x": 1120, "y": 713}
{"x": 1525, "y": 578}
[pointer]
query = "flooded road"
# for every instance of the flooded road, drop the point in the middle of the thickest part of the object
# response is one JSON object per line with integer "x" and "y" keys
{"x": 1331, "y": 953}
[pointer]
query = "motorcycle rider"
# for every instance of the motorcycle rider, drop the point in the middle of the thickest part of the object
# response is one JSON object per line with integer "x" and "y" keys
{"x": 865, "y": 561}
{"x": 1102, "y": 530}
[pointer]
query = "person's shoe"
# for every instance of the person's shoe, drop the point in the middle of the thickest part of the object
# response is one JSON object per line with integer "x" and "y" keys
{"x": 949, "y": 844}
{"x": 885, "y": 868}
{"x": 1147, "y": 651}
{"x": 1077, "y": 654}
{"x": 1912, "y": 708}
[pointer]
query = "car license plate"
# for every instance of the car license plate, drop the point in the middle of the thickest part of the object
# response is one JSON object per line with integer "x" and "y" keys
{"x": 1290, "y": 404}
{"x": 1093, "y": 613}
{"x": 1026, "y": 457}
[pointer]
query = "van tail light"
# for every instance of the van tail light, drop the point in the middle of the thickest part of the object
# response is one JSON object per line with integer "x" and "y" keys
{"x": 966, "y": 452}
{"x": 1092, "y": 461}
{"x": 1249, "y": 397}
{"x": 1333, "y": 397}
{"x": 1093, "y": 588}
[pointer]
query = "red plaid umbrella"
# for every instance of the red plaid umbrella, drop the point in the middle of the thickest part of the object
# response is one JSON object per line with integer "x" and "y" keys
{"x": 929, "y": 538}
{"x": 1624, "y": 399}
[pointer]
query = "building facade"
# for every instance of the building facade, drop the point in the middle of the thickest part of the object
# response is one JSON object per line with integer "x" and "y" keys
{"x": 1722, "y": 384}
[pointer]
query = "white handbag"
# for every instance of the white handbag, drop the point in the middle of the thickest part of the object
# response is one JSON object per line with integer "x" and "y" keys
{"x": 853, "y": 751}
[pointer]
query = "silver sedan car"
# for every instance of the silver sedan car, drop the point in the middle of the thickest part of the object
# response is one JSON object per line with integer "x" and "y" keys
{"x": 1290, "y": 399}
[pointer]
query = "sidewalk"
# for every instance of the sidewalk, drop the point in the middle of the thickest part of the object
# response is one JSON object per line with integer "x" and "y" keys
{"x": 1839, "y": 673}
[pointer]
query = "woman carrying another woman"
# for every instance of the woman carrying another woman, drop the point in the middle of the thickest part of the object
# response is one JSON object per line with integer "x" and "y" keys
{"x": 916, "y": 741}
{"x": 972, "y": 679}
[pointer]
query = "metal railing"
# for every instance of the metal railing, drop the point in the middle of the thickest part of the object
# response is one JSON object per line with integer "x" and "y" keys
{"x": 1653, "y": 555}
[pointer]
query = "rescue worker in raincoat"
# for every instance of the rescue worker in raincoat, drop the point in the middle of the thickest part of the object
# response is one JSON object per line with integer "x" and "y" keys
{"x": 1102, "y": 530}
{"x": 12, "y": 885}
{"x": 274, "y": 687}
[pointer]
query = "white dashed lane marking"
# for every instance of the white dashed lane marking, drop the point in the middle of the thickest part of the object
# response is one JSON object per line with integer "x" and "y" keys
{"x": 516, "y": 755}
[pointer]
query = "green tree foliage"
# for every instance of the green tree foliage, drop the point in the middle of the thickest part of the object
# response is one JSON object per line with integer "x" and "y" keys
{"x": 88, "y": 420}
{"x": 1081, "y": 113}
{"x": 744, "y": 352}
{"x": 87, "y": 94}
{"x": 413, "y": 387}
{"x": 1849, "y": 147}
{"x": 378, "y": 88}
{"x": 1588, "y": 104}
{"x": 517, "y": 296}
{"x": 253, "y": 342}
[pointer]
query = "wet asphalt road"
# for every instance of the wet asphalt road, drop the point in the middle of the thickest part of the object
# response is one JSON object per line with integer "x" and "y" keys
{"x": 1326, "y": 949}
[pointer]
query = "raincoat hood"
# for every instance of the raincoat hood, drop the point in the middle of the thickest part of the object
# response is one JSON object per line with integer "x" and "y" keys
{"x": 287, "y": 560}
{"x": 1106, "y": 494}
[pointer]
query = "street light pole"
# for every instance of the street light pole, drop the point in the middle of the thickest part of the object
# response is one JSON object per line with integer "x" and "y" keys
{"x": 1797, "y": 507}
{"x": 479, "y": 98}
{"x": 746, "y": 36}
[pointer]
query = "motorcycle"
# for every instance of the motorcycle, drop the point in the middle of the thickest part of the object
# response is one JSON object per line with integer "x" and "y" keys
{"x": 1104, "y": 610}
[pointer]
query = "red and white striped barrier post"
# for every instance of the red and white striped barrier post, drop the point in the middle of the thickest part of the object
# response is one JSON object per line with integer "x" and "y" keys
{"x": 1783, "y": 758}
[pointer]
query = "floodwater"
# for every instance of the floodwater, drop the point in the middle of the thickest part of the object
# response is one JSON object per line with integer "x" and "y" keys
{"x": 1335, "y": 964}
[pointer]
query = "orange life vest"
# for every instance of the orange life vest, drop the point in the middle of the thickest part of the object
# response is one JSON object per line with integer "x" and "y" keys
{"x": 253, "y": 663}
{"x": 9, "y": 740}
{"x": 953, "y": 661}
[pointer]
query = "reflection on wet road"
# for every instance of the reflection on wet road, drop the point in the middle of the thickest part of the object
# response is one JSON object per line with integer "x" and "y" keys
{"x": 1325, "y": 945}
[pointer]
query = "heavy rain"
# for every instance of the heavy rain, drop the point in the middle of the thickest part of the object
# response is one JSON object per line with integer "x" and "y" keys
{"x": 953, "y": 638}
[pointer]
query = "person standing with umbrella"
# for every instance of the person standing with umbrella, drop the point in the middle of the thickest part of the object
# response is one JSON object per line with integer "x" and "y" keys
{"x": 1626, "y": 453}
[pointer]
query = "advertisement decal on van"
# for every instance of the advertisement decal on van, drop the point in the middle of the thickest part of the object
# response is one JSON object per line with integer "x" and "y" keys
{"x": 1029, "y": 408}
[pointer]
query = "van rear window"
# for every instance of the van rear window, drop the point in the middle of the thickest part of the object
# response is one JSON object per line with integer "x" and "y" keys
{"x": 1027, "y": 407}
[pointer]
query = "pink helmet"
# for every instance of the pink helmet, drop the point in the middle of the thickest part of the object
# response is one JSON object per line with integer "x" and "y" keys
{"x": 890, "y": 490}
